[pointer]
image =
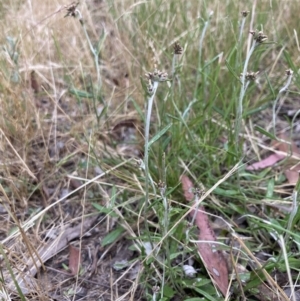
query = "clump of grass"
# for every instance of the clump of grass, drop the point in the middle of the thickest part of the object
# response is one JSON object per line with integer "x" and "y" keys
{"x": 246, "y": 78}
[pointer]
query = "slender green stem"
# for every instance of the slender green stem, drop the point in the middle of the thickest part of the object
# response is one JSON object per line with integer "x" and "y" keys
{"x": 96, "y": 62}
{"x": 177, "y": 110}
{"x": 240, "y": 44}
{"x": 174, "y": 108}
{"x": 244, "y": 87}
{"x": 94, "y": 54}
{"x": 146, "y": 151}
{"x": 242, "y": 29}
{"x": 147, "y": 130}
{"x": 200, "y": 56}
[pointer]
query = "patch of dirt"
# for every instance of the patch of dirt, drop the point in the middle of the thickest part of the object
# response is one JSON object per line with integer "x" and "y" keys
{"x": 97, "y": 277}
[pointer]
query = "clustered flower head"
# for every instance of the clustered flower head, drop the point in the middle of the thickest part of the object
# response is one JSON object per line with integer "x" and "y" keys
{"x": 177, "y": 48}
{"x": 251, "y": 76}
{"x": 245, "y": 13}
{"x": 72, "y": 9}
{"x": 198, "y": 192}
{"x": 259, "y": 36}
{"x": 157, "y": 76}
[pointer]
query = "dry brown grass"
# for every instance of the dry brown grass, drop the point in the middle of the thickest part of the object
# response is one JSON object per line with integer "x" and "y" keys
{"x": 47, "y": 136}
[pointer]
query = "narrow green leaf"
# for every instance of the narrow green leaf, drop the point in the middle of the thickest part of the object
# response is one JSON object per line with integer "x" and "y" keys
{"x": 257, "y": 277}
{"x": 256, "y": 110}
{"x": 226, "y": 192}
{"x": 173, "y": 117}
{"x": 270, "y": 85}
{"x": 270, "y": 188}
{"x": 231, "y": 70}
{"x": 219, "y": 111}
{"x": 138, "y": 109}
{"x": 217, "y": 57}
{"x": 271, "y": 225}
{"x": 113, "y": 196}
{"x": 205, "y": 294}
{"x": 112, "y": 236}
{"x": 159, "y": 134}
{"x": 103, "y": 112}
{"x": 101, "y": 42}
{"x": 290, "y": 61}
{"x": 8, "y": 266}
{"x": 105, "y": 210}
{"x": 194, "y": 299}
{"x": 264, "y": 132}
{"x": 80, "y": 93}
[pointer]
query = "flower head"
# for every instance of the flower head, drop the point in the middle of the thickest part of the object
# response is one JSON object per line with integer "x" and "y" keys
{"x": 245, "y": 13}
{"x": 177, "y": 48}
{"x": 251, "y": 76}
{"x": 259, "y": 36}
{"x": 72, "y": 9}
{"x": 198, "y": 192}
{"x": 157, "y": 76}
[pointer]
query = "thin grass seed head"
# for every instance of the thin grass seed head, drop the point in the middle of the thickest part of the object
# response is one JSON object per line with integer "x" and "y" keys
{"x": 251, "y": 76}
{"x": 72, "y": 10}
{"x": 245, "y": 13}
{"x": 177, "y": 48}
{"x": 157, "y": 76}
{"x": 289, "y": 72}
{"x": 258, "y": 36}
{"x": 198, "y": 192}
